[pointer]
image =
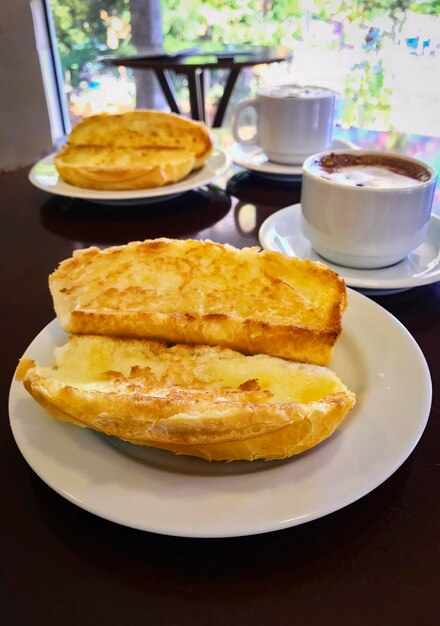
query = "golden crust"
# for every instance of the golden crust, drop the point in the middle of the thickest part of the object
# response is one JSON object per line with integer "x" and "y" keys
{"x": 204, "y": 401}
{"x": 285, "y": 442}
{"x": 204, "y": 293}
{"x": 96, "y": 167}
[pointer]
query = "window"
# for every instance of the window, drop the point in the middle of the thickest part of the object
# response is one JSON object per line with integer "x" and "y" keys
{"x": 382, "y": 56}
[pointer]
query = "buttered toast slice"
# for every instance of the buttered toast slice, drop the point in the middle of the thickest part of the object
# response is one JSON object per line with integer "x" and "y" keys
{"x": 144, "y": 128}
{"x": 101, "y": 167}
{"x": 204, "y": 293}
{"x": 199, "y": 400}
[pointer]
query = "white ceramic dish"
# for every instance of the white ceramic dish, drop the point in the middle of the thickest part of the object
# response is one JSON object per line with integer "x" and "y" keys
{"x": 44, "y": 176}
{"x": 254, "y": 159}
{"x": 156, "y": 491}
{"x": 292, "y": 121}
{"x": 282, "y": 232}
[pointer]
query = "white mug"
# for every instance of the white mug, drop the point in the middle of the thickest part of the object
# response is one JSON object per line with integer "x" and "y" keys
{"x": 293, "y": 122}
{"x": 359, "y": 211}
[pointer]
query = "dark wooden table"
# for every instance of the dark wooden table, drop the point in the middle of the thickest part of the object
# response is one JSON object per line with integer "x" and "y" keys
{"x": 373, "y": 563}
{"x": 231, "y": 60}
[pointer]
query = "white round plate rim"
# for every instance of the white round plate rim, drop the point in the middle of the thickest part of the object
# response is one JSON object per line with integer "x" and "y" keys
{"x": 243, "y": 156}
{"x": 273, "y": 236}
{"x": 182, "y": 496}
{"x": 215, "y": 166}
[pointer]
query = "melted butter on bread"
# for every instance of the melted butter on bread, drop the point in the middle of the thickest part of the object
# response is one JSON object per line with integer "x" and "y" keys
{"x": 206, "y": 401}
{"x": 204, "y": 293}
{"x": 144, "y": 128}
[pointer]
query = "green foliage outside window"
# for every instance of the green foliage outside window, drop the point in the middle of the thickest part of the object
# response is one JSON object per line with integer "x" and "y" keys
{"x": 82, "y": 35}
{"x": 231, "y": 21}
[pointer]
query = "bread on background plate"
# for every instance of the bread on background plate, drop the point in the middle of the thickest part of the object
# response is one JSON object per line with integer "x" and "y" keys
{"x": 134, "y": 150}
{"x": 117, "y": 169}
{"x": 205, "y": 401}
{"x": 200, "y": 292}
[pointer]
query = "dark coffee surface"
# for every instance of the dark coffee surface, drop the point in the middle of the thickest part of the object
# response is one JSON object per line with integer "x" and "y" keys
{"x": 334, "y": 162}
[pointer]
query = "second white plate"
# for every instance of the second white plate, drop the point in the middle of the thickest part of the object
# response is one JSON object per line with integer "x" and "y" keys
{"x": 253, "y": 158}
{"x": 157, "y": 491}
{"x": 45, "y": 176}
{"x": 282, "y": 232}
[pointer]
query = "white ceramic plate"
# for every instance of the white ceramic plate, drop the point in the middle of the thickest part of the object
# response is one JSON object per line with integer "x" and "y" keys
{"x": 44, "y": 176}
{"x": 282, "y": 232}
{"x": 254, "y": 159}
{"x": 157, "y": 491}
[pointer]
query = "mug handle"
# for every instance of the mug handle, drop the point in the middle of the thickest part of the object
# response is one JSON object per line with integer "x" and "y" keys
{"x": 250, "y": 103}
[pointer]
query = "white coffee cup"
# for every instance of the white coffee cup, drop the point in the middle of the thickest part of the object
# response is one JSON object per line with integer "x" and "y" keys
{"x": 293, "y": 121}
{"x": 365, "y": 209}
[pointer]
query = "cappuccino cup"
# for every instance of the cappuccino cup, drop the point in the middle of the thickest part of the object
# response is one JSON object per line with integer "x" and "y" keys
{"x": 365, "y": 209}
{"x": 293, "y": 122}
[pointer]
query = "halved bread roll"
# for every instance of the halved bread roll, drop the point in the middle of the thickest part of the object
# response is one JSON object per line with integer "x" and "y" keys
{"x": 100, "y": 167}
{"x": 140, "y": 149}
{"x": 202, "y": 292}
{"x": 204, "y": 401}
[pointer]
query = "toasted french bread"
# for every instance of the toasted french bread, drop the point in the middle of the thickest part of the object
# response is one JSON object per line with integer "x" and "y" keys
{"x": 106, "y": 168}
{"x": 203, "y": 293}
{"x": 204, "y": 401}
{"x": 144, "y": 128}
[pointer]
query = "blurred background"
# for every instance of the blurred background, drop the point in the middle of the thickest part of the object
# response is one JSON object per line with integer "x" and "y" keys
{"x": 381, "y": 56}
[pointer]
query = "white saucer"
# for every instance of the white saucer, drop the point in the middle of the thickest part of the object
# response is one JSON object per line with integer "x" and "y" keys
{"x": 254, "y": 159}
{"x": 45, "y": 176}
{"x": 282, "y": 232}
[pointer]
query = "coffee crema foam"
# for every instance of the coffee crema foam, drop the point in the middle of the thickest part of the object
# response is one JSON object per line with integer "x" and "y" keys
{"x": 372, "y": 171}
{"x": 295, "y": 91}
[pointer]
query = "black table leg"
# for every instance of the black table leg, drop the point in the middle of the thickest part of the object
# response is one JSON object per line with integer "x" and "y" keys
{"x": 196, "y": 93}
{"x": 227, "y": 92}
{"x": 167, "y": 89}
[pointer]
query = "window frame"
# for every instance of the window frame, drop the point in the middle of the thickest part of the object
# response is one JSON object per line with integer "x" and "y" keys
{"x": 51, "y": 70}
